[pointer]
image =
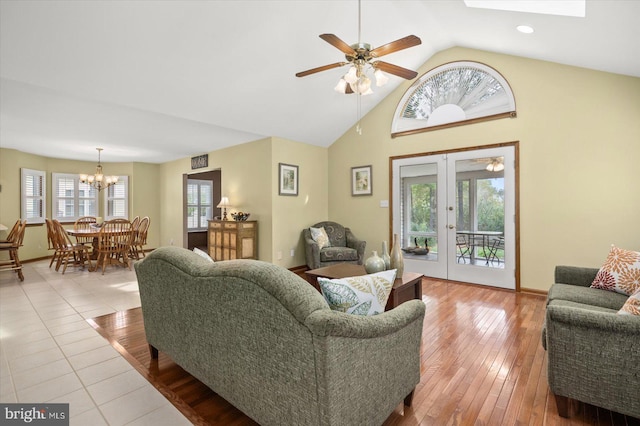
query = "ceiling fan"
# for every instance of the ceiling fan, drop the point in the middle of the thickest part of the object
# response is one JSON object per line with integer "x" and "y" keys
{"x": 361, "y": 56}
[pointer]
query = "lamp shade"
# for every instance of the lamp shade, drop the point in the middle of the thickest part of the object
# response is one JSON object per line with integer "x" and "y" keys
{"x": 224, "y": 202}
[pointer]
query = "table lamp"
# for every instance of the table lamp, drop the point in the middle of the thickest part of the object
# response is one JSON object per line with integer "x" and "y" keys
{"x": 223, "y": 204}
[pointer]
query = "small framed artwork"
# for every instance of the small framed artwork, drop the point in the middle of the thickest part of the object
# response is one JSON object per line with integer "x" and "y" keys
{"x": 361, "y": 180}
{"x": 288, "y": 179}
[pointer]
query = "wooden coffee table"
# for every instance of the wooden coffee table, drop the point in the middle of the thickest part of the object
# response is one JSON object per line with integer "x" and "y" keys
{"x": 406, "y": 288}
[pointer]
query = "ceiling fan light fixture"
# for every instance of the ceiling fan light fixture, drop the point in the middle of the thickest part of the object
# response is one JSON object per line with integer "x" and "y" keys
{"x": 495, "y": 166}
{"x": 381, "y": 78}
{"x": 362, "y": 86}
{"x": 341, "y": 87}
{"x": 352, "y": 75}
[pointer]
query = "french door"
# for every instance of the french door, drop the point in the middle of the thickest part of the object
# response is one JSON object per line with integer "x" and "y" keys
{"x": 461, "y": 207}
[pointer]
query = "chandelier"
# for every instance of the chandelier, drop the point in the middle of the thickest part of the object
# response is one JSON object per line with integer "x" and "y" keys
{"x": 99, "y": 181}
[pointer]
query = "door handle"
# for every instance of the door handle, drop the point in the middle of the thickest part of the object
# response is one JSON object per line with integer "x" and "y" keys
{"x": 451, "y": 227}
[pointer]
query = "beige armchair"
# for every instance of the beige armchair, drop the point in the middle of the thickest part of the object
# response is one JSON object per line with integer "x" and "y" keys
{"x": 344, "y": 247}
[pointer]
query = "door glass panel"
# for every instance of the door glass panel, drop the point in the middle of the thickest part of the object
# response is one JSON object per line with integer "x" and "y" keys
{"x": 419, "y": 211}
{"x": 480, "y": 211}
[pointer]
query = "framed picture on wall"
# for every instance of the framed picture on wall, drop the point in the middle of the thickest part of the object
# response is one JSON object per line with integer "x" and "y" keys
{"x": 361, "y": 180}
{"x": 288, "y": 179}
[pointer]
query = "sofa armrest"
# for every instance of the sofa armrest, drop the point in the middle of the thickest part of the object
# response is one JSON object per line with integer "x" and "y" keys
{"x": 591, "y": 320}
{"x": 339, "y": 324}
{"x": 593, "y": 355}
{"x": 356, "y": 244}
{"x": 312, "y": 252}
{"x": 575, "y": 275}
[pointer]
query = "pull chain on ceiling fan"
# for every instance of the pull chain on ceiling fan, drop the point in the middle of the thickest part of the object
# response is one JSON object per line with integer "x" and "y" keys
{"x": 362, "y": 57}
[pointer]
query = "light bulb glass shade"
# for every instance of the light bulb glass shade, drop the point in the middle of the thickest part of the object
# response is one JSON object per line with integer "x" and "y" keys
{"x": 99, "y": 178}
{"x": 91, "y": 178}
{"x": 341, "y": 87}
{"x": 362, "y": 86}
{"x": 495, "y": 166}
{"x": 83, "y": 178}
{"x": 381, "y": 78}
{"x": 351, "y": 76}
{"x": 224, "y": 202}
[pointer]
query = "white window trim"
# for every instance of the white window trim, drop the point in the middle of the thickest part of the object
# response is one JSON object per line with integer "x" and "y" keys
{"x": 54, "y": 198}
{"x": 24, "y": 174}
{"x": 107, "y": 215}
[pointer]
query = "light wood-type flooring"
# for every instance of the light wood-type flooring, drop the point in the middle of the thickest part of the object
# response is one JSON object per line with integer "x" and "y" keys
{"x": 482, "y": 364}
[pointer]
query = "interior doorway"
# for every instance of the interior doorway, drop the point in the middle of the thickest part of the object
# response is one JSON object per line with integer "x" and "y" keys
{"x": 461, "y": 206}
{"x": 202, "y": 191}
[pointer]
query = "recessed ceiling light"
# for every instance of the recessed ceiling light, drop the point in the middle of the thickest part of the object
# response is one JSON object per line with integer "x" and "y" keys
{"x": 524, "y": 29}
{"x": 557, "y": 7}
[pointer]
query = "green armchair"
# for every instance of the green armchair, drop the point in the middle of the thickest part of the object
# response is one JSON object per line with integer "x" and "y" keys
{"x": 593, "y": 352}
{"x": 344, "y": 246}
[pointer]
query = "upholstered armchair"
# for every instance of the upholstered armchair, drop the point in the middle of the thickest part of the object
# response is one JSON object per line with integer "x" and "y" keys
{"x": 343, "y": 246}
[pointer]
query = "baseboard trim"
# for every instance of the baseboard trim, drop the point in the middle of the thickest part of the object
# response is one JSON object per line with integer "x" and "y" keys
{"x": 534, "y": 291}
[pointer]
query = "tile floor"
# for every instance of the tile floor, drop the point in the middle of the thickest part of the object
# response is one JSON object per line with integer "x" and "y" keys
{"x": 49, "y": 353}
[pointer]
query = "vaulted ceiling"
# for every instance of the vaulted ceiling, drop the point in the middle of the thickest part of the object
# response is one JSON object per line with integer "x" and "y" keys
{"x": 160, "y": 80}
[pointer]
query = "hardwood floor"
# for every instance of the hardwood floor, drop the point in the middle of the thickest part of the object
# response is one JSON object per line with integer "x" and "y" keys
{"x": 482, "y": 363}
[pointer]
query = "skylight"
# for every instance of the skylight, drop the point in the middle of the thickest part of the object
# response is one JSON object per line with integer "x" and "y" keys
{"x": 557, "y": 7}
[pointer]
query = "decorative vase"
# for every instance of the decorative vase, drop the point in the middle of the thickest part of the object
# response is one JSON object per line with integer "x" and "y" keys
{"x": 374, "y": 263}
{"x": 397, "y": 261}
{"x": 385, "y": 256}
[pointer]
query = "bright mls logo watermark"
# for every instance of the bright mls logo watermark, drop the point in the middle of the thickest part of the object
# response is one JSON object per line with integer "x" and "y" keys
{"x": 34, "y": 414}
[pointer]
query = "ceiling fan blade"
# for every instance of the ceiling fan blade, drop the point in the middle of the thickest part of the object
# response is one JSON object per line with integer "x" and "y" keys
{"x": 395, "y": 70}
{"x": 319, "y": 69}
{"x": 394, "y": 46}
{"x": 333, "y": 40}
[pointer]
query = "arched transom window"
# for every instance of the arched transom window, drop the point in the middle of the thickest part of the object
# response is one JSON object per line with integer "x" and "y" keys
{"x": 453, "y": 94}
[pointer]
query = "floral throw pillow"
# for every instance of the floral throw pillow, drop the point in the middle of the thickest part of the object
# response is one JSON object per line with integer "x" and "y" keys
{"x": 362, "y": 295}
{"x": 320, "y": 236}
{"x": 632, "y": 305}
{"x": 620, "y": 272}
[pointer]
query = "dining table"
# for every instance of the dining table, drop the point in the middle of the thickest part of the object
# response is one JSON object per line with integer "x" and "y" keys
{"x": 90, "y": 232}
{"x": 485, "y": 237}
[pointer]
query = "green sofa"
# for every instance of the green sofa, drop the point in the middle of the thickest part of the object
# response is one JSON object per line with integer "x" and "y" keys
{"x": 593, "y": 352}
{"x": 266, "y": 341}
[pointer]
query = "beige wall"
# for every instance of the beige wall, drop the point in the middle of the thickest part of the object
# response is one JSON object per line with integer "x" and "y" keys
{"x": 579, "y": 139}
{"x": 292, "y": 214}
{"x": 143, "y": 199}
{"x": 250, "y": 180}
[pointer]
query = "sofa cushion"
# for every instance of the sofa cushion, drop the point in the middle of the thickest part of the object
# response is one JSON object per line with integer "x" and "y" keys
{"x": 632, "y": 305}
{"x": 620, "y": 272}
{"x": 338, "y": 254}
{"x": 361, "y": 295}
{"x": 320, "y": 236}
{"x": 586, "y": 295}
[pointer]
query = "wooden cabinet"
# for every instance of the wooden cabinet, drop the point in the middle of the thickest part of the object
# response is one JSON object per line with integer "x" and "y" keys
{"x": 233, "y": 240}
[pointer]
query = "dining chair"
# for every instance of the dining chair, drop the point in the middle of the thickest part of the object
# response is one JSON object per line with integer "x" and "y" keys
{"x": 498, "y": 244}
{"x": 12, "y": 232}
{"x": 84, "y": 222}
{"x": 76, "y": 254}
{"x": 11, "y": 247}
{"x": 135, "y": 224}
{"x": 51, "y": 240}
{"x": 463, "y": 248}
{"x": 141, "y": 238}
{"x": 114, "y": 243}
